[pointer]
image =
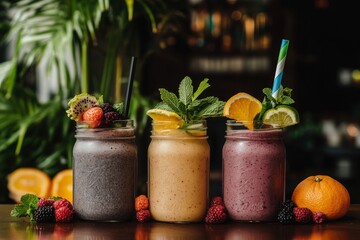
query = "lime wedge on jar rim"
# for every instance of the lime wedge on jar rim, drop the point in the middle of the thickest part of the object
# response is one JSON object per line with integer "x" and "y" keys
{"x": 281, "y": 116}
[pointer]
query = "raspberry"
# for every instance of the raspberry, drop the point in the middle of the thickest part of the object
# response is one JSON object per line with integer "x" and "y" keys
{"x": 216, "y": 214}
{"x": 216, "y": 201}
{"x": 93, "y": 116}
{"x": 64, "y": 214}
{"x": 109, "y": 117}
{"x": 143, "y": 215}
{"x": 302, "y": 215}
{"x": 318, "y": 217}
{"x": 141, "y": 203}
{"x": 63, "y": 203}
{"x": 45, "y": 202}
{"x": 44, "y": 214}
{"x": 107, "y": 107}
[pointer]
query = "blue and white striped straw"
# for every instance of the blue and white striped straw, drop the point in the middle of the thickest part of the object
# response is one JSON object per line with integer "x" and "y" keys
{"x": 280, "y": 67}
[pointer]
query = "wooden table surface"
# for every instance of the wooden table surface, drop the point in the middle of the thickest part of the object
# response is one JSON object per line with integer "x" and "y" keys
{"x": 15, "y": 228}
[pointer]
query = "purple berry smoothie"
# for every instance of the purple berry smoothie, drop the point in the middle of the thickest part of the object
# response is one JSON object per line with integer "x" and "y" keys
{"x": 253, "y": 174}
{"x": 104, "y": 173}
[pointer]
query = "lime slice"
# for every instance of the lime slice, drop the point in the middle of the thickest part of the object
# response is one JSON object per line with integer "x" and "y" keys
{"x": 281, "y": 116}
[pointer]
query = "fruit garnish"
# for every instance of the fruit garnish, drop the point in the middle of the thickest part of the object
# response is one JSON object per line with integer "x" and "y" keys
{"x": 79, "y": 104}
{"x": 281, "y": 116}
{"x": 168, "y": 119}
{"x": 93, "y": 117}
{"x": 93, "y": 112}
{"x": 62, "y": 184}
{"x": 318, "y": 217}
{"x": 187, "y": 106}
{"x": 28, "y": 180}
{"x": 242, "y": 107}
{"x": 270, "y": 103}
{"x": 324, "y": 194}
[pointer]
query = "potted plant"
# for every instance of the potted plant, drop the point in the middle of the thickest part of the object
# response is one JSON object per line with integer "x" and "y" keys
{"x": 83, "y": 46}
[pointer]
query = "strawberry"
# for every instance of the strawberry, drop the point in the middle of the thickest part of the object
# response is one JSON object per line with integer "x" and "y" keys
{"x": 216, "y": 214}
{"x": 143, "y": 216}
{"x": 93, "y": 116}
{"x": 302, "y": 215}
{"x": 64, "y": 214}
{"x": 217, "y": 200}
{"x": 141, "y": 203}
{"x": 318, "y": 217}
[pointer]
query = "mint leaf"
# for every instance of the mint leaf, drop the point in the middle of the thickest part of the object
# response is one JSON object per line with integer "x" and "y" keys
{"x": 202, "y": 86}
{"x": 213, "y": 110}
{"x": 163, "y": 106}
{"x": 26, "y": 207}
{"x": 186, "y": 91}
{"x": 199, "y": 103}
{"x": 171, "y": 100}
{"x": 119, "y": 107}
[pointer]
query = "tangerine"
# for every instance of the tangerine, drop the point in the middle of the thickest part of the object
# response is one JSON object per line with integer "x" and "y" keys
{"x": 322, "y": 193}
{"x": 62, "y": 185}
{"x": 28, "y": 180}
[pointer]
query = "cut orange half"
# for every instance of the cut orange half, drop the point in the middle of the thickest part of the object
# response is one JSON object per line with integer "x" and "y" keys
{"x": 62, "y": 185}
{"x": 242, "y": 107}
{"x": 28, "y": 180}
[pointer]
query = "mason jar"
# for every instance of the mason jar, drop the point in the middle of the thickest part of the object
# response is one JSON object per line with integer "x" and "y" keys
{"x": 253, "y": 172}
{"x": 178, "y": 172}
{"x": 104, "y": 172}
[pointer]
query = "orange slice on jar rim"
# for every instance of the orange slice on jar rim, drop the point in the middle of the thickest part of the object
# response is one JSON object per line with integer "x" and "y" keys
{"x": 28, "y": 180}
{"x": 242, "y": 107}
{"x": 163, "y": 119}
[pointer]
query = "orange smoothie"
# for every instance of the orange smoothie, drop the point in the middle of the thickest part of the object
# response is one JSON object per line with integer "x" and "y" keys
{"x": 178, "y": 175}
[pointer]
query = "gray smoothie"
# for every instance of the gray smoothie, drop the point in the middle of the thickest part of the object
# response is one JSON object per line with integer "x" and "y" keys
{"x": 104, "y": 174}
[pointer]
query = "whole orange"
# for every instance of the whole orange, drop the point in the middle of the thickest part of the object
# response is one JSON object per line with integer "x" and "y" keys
{"x": 322, "y": 193}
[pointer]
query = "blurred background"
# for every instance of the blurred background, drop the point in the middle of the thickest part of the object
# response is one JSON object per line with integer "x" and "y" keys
{"x": 51, "y": 51}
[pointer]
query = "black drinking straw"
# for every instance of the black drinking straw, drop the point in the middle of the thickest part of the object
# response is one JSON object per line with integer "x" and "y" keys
{"x": 129, "y": 87}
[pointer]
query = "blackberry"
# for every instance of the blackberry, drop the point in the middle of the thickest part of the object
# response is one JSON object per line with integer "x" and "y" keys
{"x": 45, "y": 214}
{"x": 109, "y": 117}
{"x": 286, "y": 215}
{"x": 288, "y": 205}
{"x": 107, "y": 107}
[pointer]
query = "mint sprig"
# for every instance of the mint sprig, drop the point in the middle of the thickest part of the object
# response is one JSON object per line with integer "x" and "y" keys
{"x": 284, "y": 98}
{"x": 188, "y": 105}
{"x": 26, "y": 207}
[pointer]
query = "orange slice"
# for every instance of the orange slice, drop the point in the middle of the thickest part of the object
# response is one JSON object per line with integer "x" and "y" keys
{"x": 62, "y": 185}
{"x": 163, "y": 119}
{"x": 28, "y": 180}
{"x": 242, "y": 107}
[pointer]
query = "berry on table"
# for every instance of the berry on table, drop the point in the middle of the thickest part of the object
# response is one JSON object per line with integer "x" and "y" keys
{"x": 216, "y": 214}
{"x": 217, "y": 200}
{"x": 143, "y": 215}
{"x": 64, "y": 214}
{"x": 318, "y": 217}
{"x": 44, "y": 214}
{"x": 141, "y": 203}
{"x": 302, "y": 215}
{"x": 286, "y": 214}
{"x": 45, "y": 202}
{"x": 63, "y": 203}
